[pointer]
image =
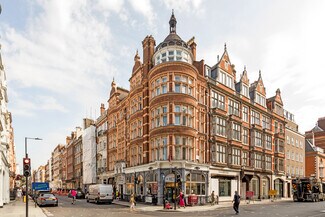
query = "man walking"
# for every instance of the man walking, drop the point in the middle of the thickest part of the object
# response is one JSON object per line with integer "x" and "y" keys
{"x": 236, "y": 202}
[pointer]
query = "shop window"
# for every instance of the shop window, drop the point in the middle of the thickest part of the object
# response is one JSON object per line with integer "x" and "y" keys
{"x": 224, "y": 187}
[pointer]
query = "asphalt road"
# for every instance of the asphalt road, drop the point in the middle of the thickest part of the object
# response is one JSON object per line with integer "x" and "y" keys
{"x": 282, "y": 209}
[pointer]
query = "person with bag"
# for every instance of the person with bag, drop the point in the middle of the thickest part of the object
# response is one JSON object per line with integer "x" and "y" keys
{"x": 132, "y": 202}
{"x": 236, "y": 202}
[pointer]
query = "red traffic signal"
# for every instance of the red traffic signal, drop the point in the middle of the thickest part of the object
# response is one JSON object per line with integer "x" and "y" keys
{"x": 26, "y": 161}
{"x": 26, "y": 165}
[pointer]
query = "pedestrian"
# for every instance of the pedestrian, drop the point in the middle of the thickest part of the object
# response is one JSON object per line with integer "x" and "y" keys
{"x": 73, "y": 194}
{"x": 236, "y": 202}
{"x": 181, "y": 199}
{"x": 117, "y": 195}
{"x": 213, "y": 201}
{"x": 132, "y": 201}
{"x": 18, "y": 193}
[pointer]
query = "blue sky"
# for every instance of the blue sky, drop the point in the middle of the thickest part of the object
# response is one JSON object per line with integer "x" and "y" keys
{"x": 61, "y": 56}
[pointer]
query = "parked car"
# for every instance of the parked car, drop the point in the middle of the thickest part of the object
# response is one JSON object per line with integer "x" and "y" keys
{"x": 100, "y": 193}
{"x": 80, "y": 194}
{"x": 37, "y": 193}
{"x": 47, "y": 199}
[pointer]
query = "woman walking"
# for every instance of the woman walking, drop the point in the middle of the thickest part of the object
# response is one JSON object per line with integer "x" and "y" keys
{"x": 132, "y": 201}
{"x": 181, "y": 199}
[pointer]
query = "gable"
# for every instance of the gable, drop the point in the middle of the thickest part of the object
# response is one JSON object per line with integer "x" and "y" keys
{"x": 260, "y": 87}
{"x": 225, "y": 63}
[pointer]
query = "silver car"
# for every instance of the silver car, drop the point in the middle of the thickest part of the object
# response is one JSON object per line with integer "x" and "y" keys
{"x": 47, "y": 199}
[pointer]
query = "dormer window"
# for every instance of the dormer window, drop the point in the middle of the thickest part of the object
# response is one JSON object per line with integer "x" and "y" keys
{"x": 226, "y": 79}
{"x": 260, "y": 99}
{"x": 278, "y": 109}
{"x": 245, "y": 90}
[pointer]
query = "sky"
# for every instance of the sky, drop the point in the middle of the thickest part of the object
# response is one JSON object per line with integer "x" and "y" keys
{"x": 60, "y": 56}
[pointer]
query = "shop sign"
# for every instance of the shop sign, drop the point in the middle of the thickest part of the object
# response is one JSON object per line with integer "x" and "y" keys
{"x": 120, "y": 179}
{"x": 148, "y": 199}
{"x": 170, "y": 178}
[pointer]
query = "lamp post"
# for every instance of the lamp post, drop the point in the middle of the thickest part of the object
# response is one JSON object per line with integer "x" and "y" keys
{"x": 26, "y": 156}
{"x": 175, "y": 188}
{"x": 321, "y": 170}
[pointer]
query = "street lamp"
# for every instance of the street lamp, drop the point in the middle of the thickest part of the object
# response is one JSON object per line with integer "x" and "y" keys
{"x": 26, "y": 156}
{"x": 175, "y": 188}
{"x": 321, "y": 170}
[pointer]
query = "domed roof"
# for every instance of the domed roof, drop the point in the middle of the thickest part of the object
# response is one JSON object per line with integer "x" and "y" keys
{"x": 172, "y": 38}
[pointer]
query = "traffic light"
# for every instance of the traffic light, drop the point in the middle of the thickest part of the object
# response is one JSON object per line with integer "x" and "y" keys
{"x": 26, "y": 167}
{"x": 136, "y": 181}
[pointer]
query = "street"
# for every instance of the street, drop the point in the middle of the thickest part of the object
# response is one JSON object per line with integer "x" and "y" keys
{"x": 280, "y": 208}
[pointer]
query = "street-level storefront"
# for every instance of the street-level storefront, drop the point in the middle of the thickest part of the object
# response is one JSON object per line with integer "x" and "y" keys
{"x": 257, "y": 184}
{"x": 159, "y": 181}
{"x": 224, "y": 182}
{"x": 279, "y": 187}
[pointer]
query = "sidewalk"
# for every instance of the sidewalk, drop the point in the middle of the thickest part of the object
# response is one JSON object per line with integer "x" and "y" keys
{"x": 152, "y": 208}
{"x": 17, "y": 208}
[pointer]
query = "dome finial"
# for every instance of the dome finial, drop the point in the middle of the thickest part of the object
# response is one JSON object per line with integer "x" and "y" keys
{"x": 136, "y": 57}
{"x": 172, "y": 23}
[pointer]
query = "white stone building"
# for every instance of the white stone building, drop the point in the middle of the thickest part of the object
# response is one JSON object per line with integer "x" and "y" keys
{"x": 4, "y": 138}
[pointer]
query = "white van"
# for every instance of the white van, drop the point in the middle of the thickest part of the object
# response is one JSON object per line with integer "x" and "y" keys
{"x": 100, "y": 193}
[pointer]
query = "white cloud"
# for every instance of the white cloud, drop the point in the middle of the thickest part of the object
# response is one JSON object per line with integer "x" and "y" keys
{"x": 116, "y": 6}
{"x": 195, "y": 7}
{"x": 66, "y": 49}
{"x": 30, "y": 106}
{"x": 145, "y": 8}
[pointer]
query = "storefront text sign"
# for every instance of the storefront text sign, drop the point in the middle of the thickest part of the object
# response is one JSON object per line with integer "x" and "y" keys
{"x": 170, "y": 178}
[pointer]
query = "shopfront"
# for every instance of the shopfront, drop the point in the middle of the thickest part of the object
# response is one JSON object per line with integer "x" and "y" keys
{"x": 265, "y": 187}
{"x": 224, "y": 183}
{"x": 254, "y": 186}
{"x": 161, "y": 181}
{"x": 278, "y": 186}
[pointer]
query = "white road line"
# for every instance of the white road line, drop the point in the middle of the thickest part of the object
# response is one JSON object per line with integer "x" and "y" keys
{"x": 320, "y": 214}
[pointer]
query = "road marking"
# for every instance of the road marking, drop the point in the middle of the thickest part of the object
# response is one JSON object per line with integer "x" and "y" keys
{"x": 320, "y": 214}
{"x": 47, "y": 213}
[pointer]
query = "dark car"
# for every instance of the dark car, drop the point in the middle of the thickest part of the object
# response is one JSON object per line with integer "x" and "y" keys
{"x": 47, "y": 199}
{"x": 80, "y": 194}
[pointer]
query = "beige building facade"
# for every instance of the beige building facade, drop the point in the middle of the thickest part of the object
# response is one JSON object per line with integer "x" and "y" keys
{"x": 57, "y": 167}
{"x": 101, "y": 151}
{"x": 295, "y": 150}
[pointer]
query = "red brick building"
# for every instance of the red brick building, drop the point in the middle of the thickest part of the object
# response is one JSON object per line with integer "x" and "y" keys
{"x": 182, "y": 118}
{"x": 315, "y": 145}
